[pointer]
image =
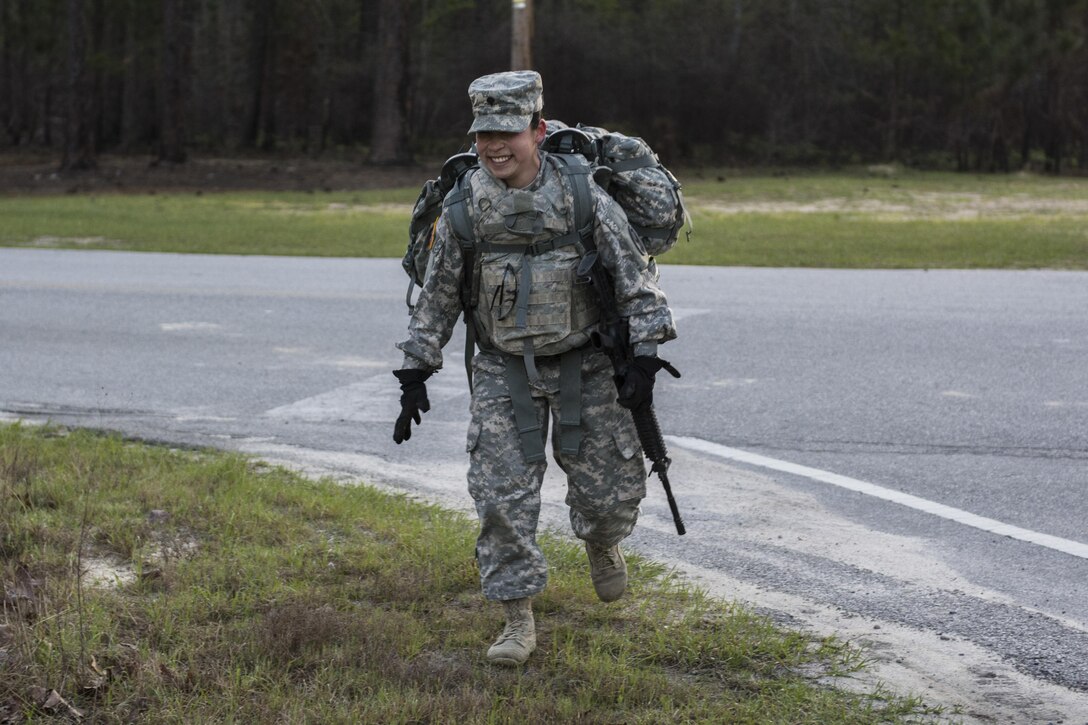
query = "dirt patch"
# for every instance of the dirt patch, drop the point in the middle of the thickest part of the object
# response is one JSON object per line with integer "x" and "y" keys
{"x": 142, "y": 174}
{"x": 107, "y": 571}
{"x": 50, "y": 242}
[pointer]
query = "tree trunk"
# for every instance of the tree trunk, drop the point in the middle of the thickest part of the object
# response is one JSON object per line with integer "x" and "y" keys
{"x": 262, "y": 125}
{"x": 129, "y": 81}
{"x": 320, "y": 101}
{"x": 79, "y": 152}
{"x": 387, "y": 137}
{"x": 172, "y": 81}
{"x": 7, "y": 100}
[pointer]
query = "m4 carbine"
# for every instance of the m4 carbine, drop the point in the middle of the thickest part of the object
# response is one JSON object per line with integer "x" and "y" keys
{"x": 614, "y": 339}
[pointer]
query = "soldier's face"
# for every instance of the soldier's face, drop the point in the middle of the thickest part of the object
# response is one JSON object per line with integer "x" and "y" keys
{"x": 511, "y": 157}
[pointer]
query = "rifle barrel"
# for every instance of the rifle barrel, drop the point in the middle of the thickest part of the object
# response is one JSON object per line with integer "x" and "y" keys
{"x": 672, "y": 501}
{"x": 653, "y": 445}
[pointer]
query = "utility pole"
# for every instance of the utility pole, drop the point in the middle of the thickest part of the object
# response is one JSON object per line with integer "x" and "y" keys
{"x": 521, "y": 35}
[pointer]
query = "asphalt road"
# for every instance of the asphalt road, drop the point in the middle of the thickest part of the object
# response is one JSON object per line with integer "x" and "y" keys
{"x": 897, "y": 457}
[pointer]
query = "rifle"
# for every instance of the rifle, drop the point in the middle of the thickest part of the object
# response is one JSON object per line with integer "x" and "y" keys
{"x": 613, "y": 337}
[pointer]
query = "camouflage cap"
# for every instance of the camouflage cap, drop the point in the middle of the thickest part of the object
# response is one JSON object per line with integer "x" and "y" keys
{"x": 505, "y": 101}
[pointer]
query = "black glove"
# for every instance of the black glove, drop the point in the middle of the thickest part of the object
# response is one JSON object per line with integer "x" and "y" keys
{"x": 636, "y": 386}
{"x": 413, "y": 401}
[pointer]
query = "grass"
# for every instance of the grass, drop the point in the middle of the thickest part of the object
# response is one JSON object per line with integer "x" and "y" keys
{"x": 143, "y": 584}
{"x": 886, "y": 218}
{"x": 363, "y": 224}
{"x": 879, "y": 218}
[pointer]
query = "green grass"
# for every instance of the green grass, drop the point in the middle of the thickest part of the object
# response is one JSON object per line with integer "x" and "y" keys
{"x": 366, "y": 224}
{"x": 885, "y": 218}
{"x": 236, "y": 592}
{"x": 852, "y": 240}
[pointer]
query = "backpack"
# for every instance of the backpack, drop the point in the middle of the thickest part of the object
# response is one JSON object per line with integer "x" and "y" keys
{"x": 629, "y": 170}
{"x": 425, "y": 213}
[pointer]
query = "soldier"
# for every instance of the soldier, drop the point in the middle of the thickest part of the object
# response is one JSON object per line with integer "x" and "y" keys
{"x": 533, "y": 320}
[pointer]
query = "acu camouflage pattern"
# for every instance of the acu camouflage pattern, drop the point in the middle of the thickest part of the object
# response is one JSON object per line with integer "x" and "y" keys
{"x": 605, "y": 481}
{"x": 505, "y": 101}
{"x": 638, "y": 296}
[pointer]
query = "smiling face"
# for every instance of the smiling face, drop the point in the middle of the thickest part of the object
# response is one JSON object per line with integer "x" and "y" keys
{"x": 511, "y": 157}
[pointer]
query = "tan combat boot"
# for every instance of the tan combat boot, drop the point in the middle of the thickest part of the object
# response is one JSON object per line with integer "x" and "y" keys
{"x": 608, "y": 571}
{"x": 518, "y": 638}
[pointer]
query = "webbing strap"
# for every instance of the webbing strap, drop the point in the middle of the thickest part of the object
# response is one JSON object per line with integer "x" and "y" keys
{"x": 570, "y": 402}
{"x": 470, "y": 345}
{"x": 534, "y": 249}
{"x": 529, "y": 431}
{"x": 578, "y": 175}
{"x": 639, "y": 162}
{"x": 656, "y": 232}
{"x": 457, "y": 204}
{"x": 524, "y": 284}
{"x": 528, "y": 353}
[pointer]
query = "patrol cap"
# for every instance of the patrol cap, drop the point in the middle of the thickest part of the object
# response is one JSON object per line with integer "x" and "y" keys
{"x": 505, "y": 101}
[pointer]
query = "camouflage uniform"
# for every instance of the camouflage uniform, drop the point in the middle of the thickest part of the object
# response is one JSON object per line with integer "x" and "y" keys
{"x": 605, "y": 473}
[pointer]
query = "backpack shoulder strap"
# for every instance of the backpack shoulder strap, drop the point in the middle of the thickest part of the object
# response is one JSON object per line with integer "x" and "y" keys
{"x": 577, "y": 172}
{"x": 456, "y": 206}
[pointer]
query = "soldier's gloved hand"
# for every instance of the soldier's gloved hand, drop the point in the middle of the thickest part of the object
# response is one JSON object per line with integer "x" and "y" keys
{"x": 413, "y": 401}
{"x": 636, "y": 388}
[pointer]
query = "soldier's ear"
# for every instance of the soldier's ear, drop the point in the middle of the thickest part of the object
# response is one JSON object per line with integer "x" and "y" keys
{"x": 541, "y": 131}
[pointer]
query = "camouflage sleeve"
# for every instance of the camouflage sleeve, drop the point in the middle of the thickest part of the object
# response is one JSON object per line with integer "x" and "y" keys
{"x": 438, "y": 306}
{"x": 638, "y": 296}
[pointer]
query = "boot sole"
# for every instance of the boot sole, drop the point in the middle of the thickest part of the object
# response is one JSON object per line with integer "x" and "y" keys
{"x": 610, "y": 598}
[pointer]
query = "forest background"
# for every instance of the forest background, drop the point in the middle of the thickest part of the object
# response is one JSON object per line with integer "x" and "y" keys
{"x": 972, "y": 85}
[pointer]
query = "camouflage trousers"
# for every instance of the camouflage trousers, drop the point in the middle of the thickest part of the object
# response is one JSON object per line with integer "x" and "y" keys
{"x": 606, "y": 480}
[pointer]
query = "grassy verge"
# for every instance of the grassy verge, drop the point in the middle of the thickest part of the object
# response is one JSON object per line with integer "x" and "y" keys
{"x": 887, "y": 218}
{"x": 148, "y": 585}
{"x": 896, "y": 220}
{"x": 363, "y": 224}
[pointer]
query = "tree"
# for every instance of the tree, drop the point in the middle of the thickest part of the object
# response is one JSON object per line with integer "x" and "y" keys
{"x": 79, "y": 146}
{"x": 174, "y": 76}
{"x": 387, "y": 138}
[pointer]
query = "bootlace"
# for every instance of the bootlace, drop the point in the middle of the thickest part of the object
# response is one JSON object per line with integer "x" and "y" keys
{"x": 605, "y": 558}
{"x": 513, "y": 630}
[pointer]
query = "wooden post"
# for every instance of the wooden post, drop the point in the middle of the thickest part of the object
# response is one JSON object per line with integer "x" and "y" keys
{"x": 521, "y": 35}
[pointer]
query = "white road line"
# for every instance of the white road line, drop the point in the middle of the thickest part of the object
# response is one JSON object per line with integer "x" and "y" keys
{"x": 1067, "y": 546}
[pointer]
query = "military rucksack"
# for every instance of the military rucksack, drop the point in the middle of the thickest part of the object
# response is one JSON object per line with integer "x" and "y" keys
{"x": 629, "y": 170}
{"x": 425, "y": 213}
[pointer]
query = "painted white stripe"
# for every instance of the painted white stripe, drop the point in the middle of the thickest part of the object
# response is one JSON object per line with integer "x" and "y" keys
{"x": 1067, "y": 546}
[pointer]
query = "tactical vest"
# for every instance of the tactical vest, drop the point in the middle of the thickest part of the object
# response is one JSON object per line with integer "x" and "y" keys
{"x": 520, "y": 290}
{"x": 528, "y": 300}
